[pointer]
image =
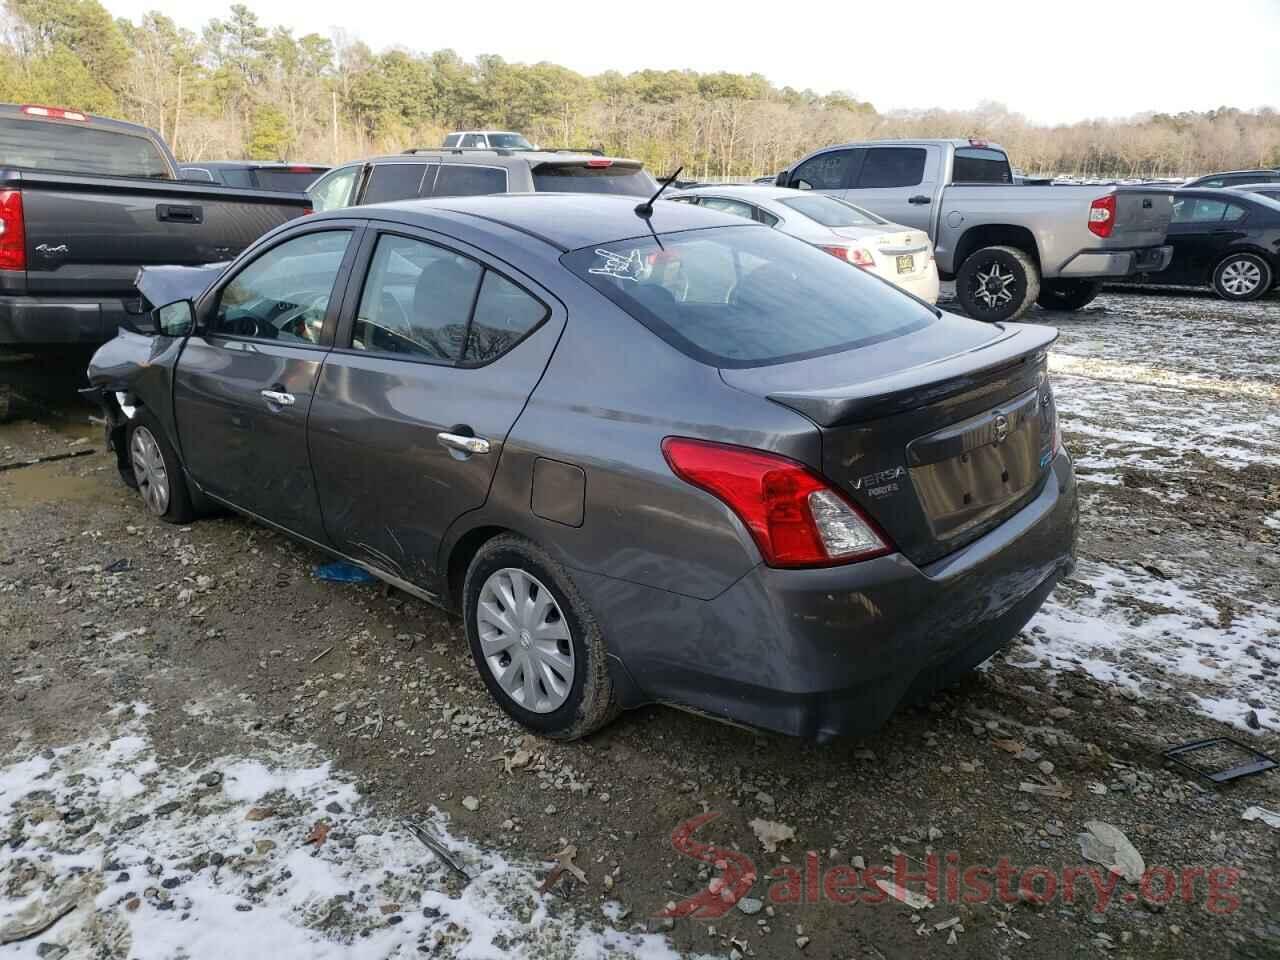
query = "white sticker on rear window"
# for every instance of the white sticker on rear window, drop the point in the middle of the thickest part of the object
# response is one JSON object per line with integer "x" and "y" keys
{"x": 611, "y": 264}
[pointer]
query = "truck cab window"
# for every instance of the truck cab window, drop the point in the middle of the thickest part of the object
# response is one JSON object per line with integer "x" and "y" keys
{"x": 980, "y": 165}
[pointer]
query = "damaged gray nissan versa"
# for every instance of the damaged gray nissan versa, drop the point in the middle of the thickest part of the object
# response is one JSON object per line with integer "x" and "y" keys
{"x": 649, "y": 454}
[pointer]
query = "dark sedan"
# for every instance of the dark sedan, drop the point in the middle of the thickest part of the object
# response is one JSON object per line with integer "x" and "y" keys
{"x": 649, "y": 456}
{"x": 1225, "y": 239}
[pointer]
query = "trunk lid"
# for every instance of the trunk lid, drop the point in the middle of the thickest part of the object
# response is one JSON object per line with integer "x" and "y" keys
{"x": 939, "y": 435}
{"x": 1143, "y": 215}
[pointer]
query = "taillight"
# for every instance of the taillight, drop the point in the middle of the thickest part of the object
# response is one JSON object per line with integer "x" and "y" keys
{"x": 298, "y": 168}
{"x": 855, "y": 255}
{"x": 600, "y": 162}
{"x": 13, "y": 231}
{"x": 54, "y": 113}
{"x": 795, "y": 517}
{"x": 1102, "y": 215}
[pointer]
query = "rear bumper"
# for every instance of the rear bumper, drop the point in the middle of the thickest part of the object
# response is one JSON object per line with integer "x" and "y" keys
{"x": 1117, "y": 263}
{"x": 819, "y": 653}
{"x": 923, "y": 284}
{"x": 31, "y": 321}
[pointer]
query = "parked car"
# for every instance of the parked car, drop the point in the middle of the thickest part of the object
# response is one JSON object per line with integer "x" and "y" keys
{"x": 1225, "y": 239}
{"x": 902, "y": 256}
{"x": 85, "y": 202}
{"x": 286, "y": 177}
{"x": 1234, "y": 178}
{"x": 1007, "y": 245}
{"x": 680, "y": 458}
{"x": 459, "y": 173}
{"x": 487, "y": 140}
{"x": 1269, "y": 190}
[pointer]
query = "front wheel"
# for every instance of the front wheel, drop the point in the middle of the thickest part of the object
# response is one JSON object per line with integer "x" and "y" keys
{"x": 1242, "y": 276}
{"x": 997, "y": 283}
{"x": 539, "y": 650}
{"x": 1068, "y": 294}
{"x": 157, "y": 474}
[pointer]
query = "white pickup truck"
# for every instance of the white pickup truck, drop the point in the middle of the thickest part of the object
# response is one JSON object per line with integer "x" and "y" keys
{"x": 1006, "y": 244}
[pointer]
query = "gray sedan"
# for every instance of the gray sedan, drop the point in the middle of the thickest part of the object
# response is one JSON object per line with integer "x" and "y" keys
{"x": 649, "y": 456}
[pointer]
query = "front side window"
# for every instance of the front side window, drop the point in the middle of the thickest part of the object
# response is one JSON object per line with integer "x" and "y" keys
{"x": 283, "y": 294}
{"x": 417, "y": 301}
{"x": 463, "y": 180}
{"x": 892, "y": 167}
{"x": 333, "y": 191}
{"x": 452, "y": 140}
{"x": 394, "y": 181}
{"x": 831, "y": 212}
{"x": 474, "y": 141}
{"x": 826, "y": 171}
{"x": 746, "y": 296}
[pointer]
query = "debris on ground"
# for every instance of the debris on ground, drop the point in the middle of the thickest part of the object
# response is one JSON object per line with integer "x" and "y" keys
{"x": 341, "y": 572}
{"x": 1270, "y": 817}
{"x": 771, "y": 833}
{"x": 1106, "y": 844}
{"x": 916, "y": 901}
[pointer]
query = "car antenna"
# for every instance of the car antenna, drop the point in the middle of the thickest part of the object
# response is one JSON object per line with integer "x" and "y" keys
{"x": 645, "y": 209}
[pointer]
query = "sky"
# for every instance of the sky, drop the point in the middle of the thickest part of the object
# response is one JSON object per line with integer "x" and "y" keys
{"x": 1054, "y": 62}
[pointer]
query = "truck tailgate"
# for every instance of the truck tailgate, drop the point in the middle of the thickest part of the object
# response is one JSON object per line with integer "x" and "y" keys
{"x": 89, "y": 235}
{"x": 1143, "y": 215}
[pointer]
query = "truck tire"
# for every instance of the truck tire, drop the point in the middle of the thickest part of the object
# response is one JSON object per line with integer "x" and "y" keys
{"x": 997, "y": 283}
{"x": 1068, "y": 294}
{"x": 1242, "y": 276}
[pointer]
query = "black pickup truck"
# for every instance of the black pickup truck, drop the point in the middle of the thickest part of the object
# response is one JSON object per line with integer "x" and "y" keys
{"x": 84, "y": 203}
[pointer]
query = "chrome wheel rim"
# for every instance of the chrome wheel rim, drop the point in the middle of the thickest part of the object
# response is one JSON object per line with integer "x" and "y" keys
{"x": 993, "y": 287}
{"x": 1241, "y": 277}
{"x": 149, "y": 471}
{"x": 525, "y": 640}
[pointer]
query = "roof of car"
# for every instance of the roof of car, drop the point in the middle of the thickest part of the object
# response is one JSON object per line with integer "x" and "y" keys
{"x": 490, "y": 155}
{"x": 253, "y": 165}
{"x": 565, "y": 220}
{"x": 1232, "y": 173}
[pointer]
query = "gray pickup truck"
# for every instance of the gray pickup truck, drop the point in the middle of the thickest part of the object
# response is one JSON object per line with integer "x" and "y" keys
{"x": 1006, "y": 244}
{"x": 84, "y": 203}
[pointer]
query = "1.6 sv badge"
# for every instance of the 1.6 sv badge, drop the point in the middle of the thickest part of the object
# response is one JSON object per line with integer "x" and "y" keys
{"x": 880, "y": 484}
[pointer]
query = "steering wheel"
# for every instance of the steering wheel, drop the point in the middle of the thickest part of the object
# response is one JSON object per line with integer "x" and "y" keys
{"x": 295, "y": 320}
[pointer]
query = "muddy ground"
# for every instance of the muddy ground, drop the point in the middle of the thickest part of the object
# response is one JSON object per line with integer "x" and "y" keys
{"x": 200, "y": 648}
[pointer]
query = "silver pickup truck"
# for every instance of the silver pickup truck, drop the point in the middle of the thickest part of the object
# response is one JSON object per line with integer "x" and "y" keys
{"x": 1006, "y": 244}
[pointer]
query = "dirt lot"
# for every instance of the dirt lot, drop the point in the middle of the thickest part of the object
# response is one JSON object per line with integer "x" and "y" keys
{"x": 208, "y": 752}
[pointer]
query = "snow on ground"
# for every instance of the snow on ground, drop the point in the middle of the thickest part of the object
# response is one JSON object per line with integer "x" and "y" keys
{"x": 224, "y": 858}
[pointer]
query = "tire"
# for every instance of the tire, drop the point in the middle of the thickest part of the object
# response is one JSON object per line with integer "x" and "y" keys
{"x": 1242, "y": 276}
{"x": 582, "y": 704}
{"x": 8, "y": 403}
{"x": 148, "y": 451}
{"x": 1010, "y": 290}
{"x": 1068, "y": 294}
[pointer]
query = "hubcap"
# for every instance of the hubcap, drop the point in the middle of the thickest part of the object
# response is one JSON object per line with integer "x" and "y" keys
{"x": 1241, "y": 277}
{"x": 525, "y": 640}
{"x": 993, "y": 287}
{"x": 149, "y": 471}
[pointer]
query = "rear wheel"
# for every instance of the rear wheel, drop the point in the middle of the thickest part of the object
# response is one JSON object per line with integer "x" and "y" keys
{"x": 1242, "y": 276}
{"x": 1068, "y": 294}
{"x": 997, "y": 283}
{"x": 157, "y": 474}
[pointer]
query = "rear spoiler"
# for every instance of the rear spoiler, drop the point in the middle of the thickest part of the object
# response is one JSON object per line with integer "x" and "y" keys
{"x": 163, "y": 285}
{"x": 903, "y": 390}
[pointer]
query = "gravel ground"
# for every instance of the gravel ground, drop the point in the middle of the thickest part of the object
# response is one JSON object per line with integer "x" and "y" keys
{"x": 208, "y": 752}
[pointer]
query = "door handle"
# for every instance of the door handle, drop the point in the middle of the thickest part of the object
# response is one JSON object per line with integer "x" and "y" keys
{"x": 920, "y": 198}
{"x": 278, "y": 397}
{"x": 456, "y": 441}
{"x": 179, "y": 213}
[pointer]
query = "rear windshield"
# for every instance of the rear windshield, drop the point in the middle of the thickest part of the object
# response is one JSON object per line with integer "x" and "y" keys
{"x": 747, "y": 296}
{"x": 72, "y": 148}
{"x": 980, "y": 165}
{"x": 579, "y": 178}
{"x": 509, "y": 141}
{"x": 831, "y": 212}
{"x": 291, "y": 181}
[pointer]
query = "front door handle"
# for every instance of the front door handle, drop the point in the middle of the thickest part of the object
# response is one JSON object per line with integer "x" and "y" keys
{"x": 919, "y": 198}
{"x": 456, "y": 441}
{"x": 278, "y": 397}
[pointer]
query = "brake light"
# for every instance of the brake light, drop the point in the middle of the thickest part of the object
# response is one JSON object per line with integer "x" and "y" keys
{"x": 55, "y": 113}
{"x": 600, "y": 162}
{"x": 795, "y": 517}
{"x": 13, "y": 232}
{"x": 1102, "y": 215}
{"x": 307, "y": 211}
{"x": 975, "y": 142}
{"x": 298, "y": 168}
{"x": 855, "y": 255}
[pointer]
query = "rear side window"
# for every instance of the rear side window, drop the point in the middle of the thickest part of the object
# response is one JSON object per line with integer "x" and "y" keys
{"x": 980, "y": 165}
{"x": 746, "y": 296}
{"x": 394, "y": 181}
{"x": 462, "y": 180}
{"x": 1198, "y": 210}
{"x": 73, "y": 147}
{"x": 580, "y": 178}
{"x": 504, "y": 314}
{"x": 452, "y": 140}
{"x": 827, "y": 171}
{"x": 725, "y": 205}
{"x": 892, "y": 167}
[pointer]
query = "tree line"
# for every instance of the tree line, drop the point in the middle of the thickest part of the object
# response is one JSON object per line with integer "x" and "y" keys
{"x": 240, "y": 89}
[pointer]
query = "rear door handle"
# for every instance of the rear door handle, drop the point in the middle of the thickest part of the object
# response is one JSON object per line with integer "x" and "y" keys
{"x": 456, "y": 441}
{"x": 920, "y": 198}
{"x": 278, "y": 397}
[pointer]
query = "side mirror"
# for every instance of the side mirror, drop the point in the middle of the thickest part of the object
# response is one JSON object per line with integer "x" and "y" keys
{"x": 177, "y": 319}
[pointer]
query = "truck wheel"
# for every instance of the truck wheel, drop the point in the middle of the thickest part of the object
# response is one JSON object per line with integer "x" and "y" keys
{"x": 1068, "y": 294}
{"x": 997, "y": 283}
{"x": 1242, "y": 276}
{"x": 157, "y": 474}
{"x": 537, "y": 646}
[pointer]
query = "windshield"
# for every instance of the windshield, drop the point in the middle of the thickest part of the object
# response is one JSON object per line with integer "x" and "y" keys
{"x": 831, "y": 212}
{"x": 73, "y": 148}
{"x": 747, "y": 296}
{"x": 580, "y": 178}
{"x": 511, "y": 141}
